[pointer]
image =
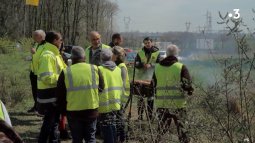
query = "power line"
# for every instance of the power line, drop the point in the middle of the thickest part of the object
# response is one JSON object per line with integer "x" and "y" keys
{"x": 127, "y": 21}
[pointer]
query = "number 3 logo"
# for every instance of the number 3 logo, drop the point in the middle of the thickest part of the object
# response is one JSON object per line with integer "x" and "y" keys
{"x": 237, "y": 14}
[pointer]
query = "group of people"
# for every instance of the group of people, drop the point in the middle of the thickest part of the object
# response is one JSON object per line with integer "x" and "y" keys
{"x": 171, "y": 81}
{"x": 91, "y": 91}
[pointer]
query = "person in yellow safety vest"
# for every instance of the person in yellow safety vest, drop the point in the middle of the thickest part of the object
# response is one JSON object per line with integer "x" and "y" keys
{"x": 49, "y": 67}
{"x": 39, "y": 38}
{"x": 171, "y": 79}
{"x": 110, "y": 98}
{"x": 78, "y": 88}
{"x": 93, "y": 51}
{"x": 119, "y": 59}
{"x": 4, "y": 114}
{"x": 145, "y": 63}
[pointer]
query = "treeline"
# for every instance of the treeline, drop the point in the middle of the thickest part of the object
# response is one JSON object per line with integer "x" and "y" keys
{"x": 73, "y": 18}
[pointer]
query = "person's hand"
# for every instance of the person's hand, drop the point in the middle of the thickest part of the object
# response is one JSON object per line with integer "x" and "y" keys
{"x": 32, "y": 50}
{"x": 146, "y": 66}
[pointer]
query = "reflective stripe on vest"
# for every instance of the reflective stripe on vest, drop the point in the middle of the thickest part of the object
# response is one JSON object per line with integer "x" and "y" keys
{"x": 70, "y": 79}
{"x": 111, "y": 95}
{"x": 49, "y": 100}
{"x": 82, "y": 81}
{"x": 169, "y": 93}
{"x": 110, "y": 101}
{"x": 144, "y": 59}
{"x": 1, "y": 112}
{"x": 112, "y": 88}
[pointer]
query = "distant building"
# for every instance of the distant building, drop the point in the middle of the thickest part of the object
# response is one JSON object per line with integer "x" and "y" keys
{"x": 205, "y": 44}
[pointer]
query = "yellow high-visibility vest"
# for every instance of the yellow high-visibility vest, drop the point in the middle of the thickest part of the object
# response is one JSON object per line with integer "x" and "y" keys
{"x": 144, "y": 59}
{"x": 81, "y": 82}
{"x": 146, "y": 74}
{"x": 87, "y": 52}
{"x": 35, "y": 58}
{"x": 109, "y": 99}
{"x": 124, "y": 97}
{"x": 1, "y": 112}
{"x": 169, "y": 94}
{"x": 50, "y": 66}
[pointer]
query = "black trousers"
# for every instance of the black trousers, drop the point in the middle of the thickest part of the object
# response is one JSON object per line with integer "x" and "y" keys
{"x": 33, "y": 80}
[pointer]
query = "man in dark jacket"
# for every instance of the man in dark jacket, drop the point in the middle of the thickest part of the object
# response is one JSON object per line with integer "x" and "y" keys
{"x": 93, "y": 51}
{"x": 171, "y": 78}
{"x": 77, "y": 96}
{"x": 145, "y": 63}
{"x": 117, "y": 40}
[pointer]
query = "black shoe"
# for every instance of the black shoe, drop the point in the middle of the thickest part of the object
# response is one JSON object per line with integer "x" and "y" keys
{"x": 33, "y": 109}
{"x": 64, "y": 135}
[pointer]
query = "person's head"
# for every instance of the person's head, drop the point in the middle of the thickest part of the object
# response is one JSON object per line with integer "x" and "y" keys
{"x": 54, "y": 38}
{"x": 95, "y": 38}
{"x": 106, "y": 55}
{"x": 38, "y": 36}
{"x": 147, "y": 42}
{"x": 77, "y": 54}
{"x": 172, "y": 50}
{"x": 117, "y": 39}
{"x": 118, "y": 54}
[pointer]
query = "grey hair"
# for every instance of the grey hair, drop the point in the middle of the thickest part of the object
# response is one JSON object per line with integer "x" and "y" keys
{"x": 172, "y": 50}
{"x": 41, "y": 33}
{"x": 106, "y": 54}
{"x": 119, "y": 52}
{"x": 77, "y": 53}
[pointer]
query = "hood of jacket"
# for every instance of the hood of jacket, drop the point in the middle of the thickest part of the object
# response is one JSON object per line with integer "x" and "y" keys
{"x": 109, "y": 64}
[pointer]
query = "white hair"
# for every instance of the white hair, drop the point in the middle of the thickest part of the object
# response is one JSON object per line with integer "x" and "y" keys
{"x": 106, "y": 54}
{"x": 77, "y": 52}
{"x": 41, "y": 33}
{"x": 172, "y": 50}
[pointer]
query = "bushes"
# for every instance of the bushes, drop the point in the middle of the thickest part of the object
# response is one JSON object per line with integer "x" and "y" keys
{"x": 14, "y": 80}
{"x": 6, "y": 46}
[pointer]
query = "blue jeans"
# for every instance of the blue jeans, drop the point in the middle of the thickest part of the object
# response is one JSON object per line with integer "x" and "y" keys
{"x": 49, "y": 130}
{"x": 108, "y": 127}
{"x": 82, "y": 129}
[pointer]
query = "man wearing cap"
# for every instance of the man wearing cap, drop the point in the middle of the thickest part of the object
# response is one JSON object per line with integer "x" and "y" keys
{"x": 93, "y": 51}
{"x": 110, "y": 98}
{"x": 77, "y": 90}
{"x": 171, "y": 78}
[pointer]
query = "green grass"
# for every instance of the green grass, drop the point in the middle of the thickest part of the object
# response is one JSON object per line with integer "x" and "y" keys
{"x": 15, "y": 91}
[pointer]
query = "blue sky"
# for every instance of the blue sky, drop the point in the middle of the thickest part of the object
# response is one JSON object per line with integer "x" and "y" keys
{"x": 171, "y": 15}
